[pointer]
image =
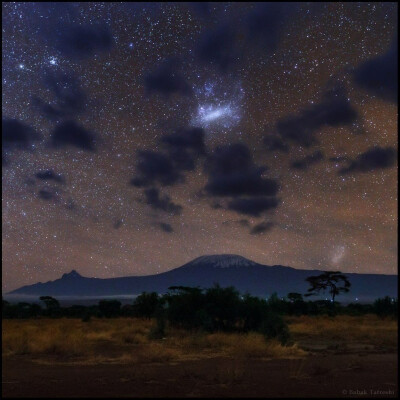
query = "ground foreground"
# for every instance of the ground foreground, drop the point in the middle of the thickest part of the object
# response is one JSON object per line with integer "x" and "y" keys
{"x": 329, "y": 357}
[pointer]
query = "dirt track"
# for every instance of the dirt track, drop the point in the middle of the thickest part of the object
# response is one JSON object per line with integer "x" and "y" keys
{"x": 330, "y": 375}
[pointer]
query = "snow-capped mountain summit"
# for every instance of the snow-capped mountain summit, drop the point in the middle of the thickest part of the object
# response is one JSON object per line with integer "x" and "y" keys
{"x": 223, "y": 261}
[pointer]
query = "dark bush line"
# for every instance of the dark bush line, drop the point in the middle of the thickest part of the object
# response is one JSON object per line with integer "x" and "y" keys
{"x": 213, "y": 309}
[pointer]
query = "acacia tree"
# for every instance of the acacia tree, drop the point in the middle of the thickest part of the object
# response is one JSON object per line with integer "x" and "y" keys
{"x": 51, "y": 302}
{"x": 294, "y": 297}
{"x": 333, "y": 281}
{"x": 52, "y": 306}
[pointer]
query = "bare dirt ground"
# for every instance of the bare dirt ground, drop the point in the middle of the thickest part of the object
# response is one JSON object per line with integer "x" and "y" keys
{"x": 317, "y": 375}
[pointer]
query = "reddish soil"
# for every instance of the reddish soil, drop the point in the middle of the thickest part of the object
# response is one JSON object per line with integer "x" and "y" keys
{"x": 329, "y": 375}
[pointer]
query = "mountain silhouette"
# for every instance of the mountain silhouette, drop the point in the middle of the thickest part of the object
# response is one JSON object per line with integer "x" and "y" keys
{"x": 226, "y": 270}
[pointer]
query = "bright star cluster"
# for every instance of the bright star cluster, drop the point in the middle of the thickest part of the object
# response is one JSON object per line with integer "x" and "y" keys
{"x": 219, "y": 106}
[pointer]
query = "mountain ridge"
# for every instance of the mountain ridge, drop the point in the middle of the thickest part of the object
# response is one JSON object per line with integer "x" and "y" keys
{"x": 226, "y": 269}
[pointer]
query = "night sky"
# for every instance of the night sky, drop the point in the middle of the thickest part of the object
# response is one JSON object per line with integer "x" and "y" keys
{"x": 138, "y": 136}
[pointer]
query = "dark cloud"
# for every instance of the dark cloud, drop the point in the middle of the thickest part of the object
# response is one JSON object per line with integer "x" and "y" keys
{"x": 70, "y": 39}
{"x": 232, "y": 173}
{"x": 253, "y": 206}
{"x": 216, "y": 206}
{"x": 228, "y": 158}
{"x": 154, "y": 200}
{"x": 70, "y": 133}
{"x": 166, "y": 227}
{"x": 187, "y": 138}
{"x": 379, "y": 75}
{"x": 201, "y": 8}
{"x": 46, "y": 194}
{"x": 264, "y": 24}
{"x": 155, "y": 167}
{"x": 79, "y": 41}
{"x": 261, "y": 228}
{"x": 308, "y": 160}
{"x": 17, "y": 135}
{"x": 118, "y": 223}
{"x": 49, "y": 111}
{"x": 247, "y": 182}
{"x": 275, "y": 143}
{"x": 167, "y": 80}
{"x": 374, "y": 158}
{"x": 228, "y": 42}
{"x": 70, "y": 99}
{"x": 218, "y": 47}
{"x": 181, "y": 151}
{"x": 334, "y": 110}
{"x": 182, "y": 159}
{"x": 184, "y": 147}
{"x": 50, "y": 175}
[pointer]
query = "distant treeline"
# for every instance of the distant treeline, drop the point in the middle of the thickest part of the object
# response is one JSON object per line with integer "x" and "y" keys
{"x": 211, "y": 309}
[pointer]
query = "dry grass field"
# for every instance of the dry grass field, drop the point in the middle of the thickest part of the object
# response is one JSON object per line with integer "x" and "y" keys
{"x": 129, "y": 340}
{"x": 119, "y": 358}
{"x": 366, "y": 329}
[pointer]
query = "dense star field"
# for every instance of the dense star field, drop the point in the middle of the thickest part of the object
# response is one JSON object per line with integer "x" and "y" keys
{"x": 138, "y": 136}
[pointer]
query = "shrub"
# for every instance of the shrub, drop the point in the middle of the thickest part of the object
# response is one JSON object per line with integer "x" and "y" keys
{"x": 274, "y": 327}
{"x": 110, "y": 308}
{"x": 386, "y": 306}
{"x": 253, "y": 311}
{"x": 185, "y": 307}
{"x": 158, "y": 332}
{"x": 222, "y": 306}
{"x": 146, "y": 305}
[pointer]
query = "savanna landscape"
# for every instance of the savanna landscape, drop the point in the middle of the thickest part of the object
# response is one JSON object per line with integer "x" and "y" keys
{"x": 329, "y": 354}
{"x": 199, "y": 199}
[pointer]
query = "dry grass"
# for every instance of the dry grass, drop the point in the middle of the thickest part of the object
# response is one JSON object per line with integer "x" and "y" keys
{"x": 249, "y": 345}
{"x": 366, "y": 329}
{"x": 70, "y": 337}
{"x": 32, "y": 337}
{"x": 127, "y": 341}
